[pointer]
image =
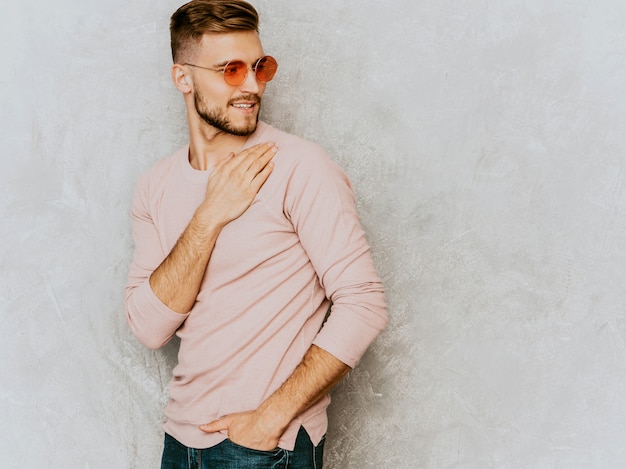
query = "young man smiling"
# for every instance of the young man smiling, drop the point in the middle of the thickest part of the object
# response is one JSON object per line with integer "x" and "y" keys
{"x": 243, "y": 240}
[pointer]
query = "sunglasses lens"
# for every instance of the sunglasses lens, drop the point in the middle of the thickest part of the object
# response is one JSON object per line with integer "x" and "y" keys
{"x": 266, "y": 69}
{"x": 235, "y": 73}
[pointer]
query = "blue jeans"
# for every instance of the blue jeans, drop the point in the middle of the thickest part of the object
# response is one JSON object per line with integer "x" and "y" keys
{"x": 228, "y": 455}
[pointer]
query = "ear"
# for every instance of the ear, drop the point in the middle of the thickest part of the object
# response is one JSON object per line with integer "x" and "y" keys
{"x": 181, "y": 78}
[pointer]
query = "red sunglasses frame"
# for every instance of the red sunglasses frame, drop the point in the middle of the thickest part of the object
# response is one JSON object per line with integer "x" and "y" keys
{"x": 237, "y": 76}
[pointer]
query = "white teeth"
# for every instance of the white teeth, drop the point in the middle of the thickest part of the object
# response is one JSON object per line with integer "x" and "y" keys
{"x": 243, "y": 106}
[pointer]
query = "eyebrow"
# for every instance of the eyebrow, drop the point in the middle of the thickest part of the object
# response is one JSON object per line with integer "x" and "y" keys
{"x": 226, "y": 62}
{"x": 223, "y": 64}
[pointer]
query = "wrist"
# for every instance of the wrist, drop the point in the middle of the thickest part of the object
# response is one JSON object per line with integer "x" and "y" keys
{"x": 207, "y": 220}
{"x": 274, "y": 416}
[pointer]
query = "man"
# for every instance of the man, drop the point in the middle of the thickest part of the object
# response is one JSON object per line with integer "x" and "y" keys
{"x": 243, "y": 239}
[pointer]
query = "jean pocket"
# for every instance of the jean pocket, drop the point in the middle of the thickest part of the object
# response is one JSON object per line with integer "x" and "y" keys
{"x": 229, "y": 455}
{"x": 276, "y": 452}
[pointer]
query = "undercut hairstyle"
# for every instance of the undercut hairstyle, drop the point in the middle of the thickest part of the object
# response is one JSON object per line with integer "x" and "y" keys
{"x": 198, "y": 17}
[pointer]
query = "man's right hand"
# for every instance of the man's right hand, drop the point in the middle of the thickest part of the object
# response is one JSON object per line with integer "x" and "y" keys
{"x": 235, "y": 182}
{"x": 232, "y": 186}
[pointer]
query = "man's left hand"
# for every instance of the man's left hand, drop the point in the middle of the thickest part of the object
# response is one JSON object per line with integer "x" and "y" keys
{"x": 246, "y": 429}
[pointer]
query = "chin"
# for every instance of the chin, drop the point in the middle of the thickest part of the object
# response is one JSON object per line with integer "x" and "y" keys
{"x": 246, "y": 128}
{"x": 241, "y": 131}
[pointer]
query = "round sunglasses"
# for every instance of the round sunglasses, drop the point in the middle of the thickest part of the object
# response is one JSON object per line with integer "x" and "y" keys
{"x": 236, "y": 71}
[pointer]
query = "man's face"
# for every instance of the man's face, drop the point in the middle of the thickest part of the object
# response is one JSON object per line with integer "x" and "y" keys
{"x": 230, "y": 109}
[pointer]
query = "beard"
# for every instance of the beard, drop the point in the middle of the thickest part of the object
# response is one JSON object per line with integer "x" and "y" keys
{"x": 216, "y": 117}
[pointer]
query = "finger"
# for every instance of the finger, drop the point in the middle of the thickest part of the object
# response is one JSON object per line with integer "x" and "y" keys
{"x": 248, "y": 157}
{"x": 254, "y": 159}
{"x": 253, "y": 150}
{"x": 260, "y": 178}
{"x": 261, "y": 163}
{"x": 259, "y": 148}
{"x": 216, "y": 425}
{"x": 221, "y": 163}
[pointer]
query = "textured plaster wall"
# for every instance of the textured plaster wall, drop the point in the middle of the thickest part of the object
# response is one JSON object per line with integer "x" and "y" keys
{"x": 486, "y": 143}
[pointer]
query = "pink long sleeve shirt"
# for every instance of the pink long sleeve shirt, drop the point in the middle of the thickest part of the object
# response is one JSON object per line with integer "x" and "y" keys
{"x": 271, "y": 278}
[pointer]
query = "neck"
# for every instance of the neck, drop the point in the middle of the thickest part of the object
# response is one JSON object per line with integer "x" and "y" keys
{"x": 208, "y": 145}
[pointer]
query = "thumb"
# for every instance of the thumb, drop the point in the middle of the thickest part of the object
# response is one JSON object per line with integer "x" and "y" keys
{"x": 223, "y": 161}
{"x": 216, "y": 425}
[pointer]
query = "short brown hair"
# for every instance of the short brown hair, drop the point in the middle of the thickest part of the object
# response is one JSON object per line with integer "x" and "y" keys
{"x": 199, "y": 17}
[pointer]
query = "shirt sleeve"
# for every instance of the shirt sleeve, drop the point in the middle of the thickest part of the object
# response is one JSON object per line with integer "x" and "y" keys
{"x": 321, "y": 206}
{"x": 151, "y": 321}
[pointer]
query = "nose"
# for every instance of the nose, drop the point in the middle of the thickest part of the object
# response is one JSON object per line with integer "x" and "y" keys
{"x": 251, "y": 85}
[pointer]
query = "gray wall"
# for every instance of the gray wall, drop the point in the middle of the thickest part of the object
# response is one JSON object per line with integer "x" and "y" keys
{"x": 485, "y": 141}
